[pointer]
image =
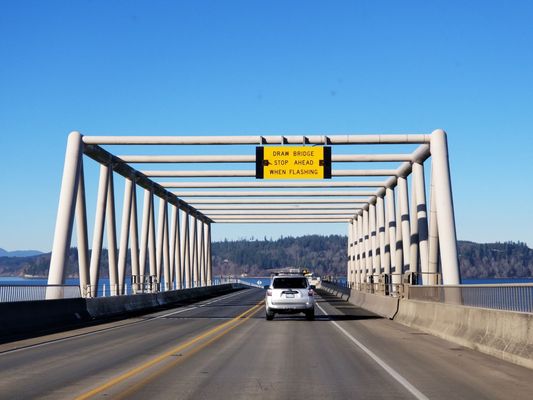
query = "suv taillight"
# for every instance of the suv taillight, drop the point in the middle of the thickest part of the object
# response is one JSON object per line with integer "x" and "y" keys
{"x": 310, "y": 292}
{"x": 269, "y": 292}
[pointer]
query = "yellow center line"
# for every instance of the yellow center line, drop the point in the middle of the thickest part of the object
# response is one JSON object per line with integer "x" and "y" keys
{"x": 133, "y": 389}
{"x": 158, "y": 359}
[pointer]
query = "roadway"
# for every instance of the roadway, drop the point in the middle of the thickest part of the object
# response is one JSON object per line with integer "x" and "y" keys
{"x": 224, "y": 348}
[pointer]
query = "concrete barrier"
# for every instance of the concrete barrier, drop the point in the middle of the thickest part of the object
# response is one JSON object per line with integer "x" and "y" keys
{"x": 505, "y": 334}
{"x": 383, "y": 306}
{"x": 32, "y": 318}
{"x": 40, "y": 316}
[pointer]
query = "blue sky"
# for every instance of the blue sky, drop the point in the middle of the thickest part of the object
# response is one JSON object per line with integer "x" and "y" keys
{"x": 257, "y": 67}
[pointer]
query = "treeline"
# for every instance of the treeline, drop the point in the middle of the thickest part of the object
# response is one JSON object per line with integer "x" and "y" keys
{"x": 325, "y": 255}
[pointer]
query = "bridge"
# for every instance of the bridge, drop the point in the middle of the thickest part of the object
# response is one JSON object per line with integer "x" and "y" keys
{"x": 402, "y": 326}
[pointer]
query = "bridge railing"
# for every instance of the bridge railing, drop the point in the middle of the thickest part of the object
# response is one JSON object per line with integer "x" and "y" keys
{"x": 510, "y": 297}
{"x": 14, "y": 293}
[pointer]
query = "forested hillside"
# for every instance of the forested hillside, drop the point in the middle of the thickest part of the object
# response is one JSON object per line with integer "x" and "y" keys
{"x": 326, "y": 255}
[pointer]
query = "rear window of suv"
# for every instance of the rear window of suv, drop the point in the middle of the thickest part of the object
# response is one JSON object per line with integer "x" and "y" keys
{"x": 289, "y": 283}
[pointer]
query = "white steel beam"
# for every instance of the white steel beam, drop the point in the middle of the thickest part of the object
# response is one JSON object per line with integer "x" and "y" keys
{"x": 98, "y": 232}
{"x": 216, "y": 214}
{"x": 421, "y": 211}
{"x": 111, "y": 236}
{"x": 258, "y": 140}
{"x": 296, "y": 201}
{"x": 207, "y": 209}
{"x": 252, "y": 193}
{"x": 145, "y": 227}
{"x": 124, "y": 235}
{"x": 251, "y": 173}
{"x": 445, "y": 212}
{"x": 185, "y": 252}
{"x": 403, "y": 201}
{"x": 65, "y": 214}
{"x": 267, "y": 184}
{"x": 81, "y": 229}
{"x": 226, "y": 159}
{"x": 134, "y": 233}
{"x": 284, "y": 221}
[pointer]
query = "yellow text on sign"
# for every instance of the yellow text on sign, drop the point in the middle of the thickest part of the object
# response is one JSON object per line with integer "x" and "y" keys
{"x": 288, "y": 162}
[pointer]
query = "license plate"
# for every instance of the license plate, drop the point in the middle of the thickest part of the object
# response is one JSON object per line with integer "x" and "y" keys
{"x": 289, "y": 296}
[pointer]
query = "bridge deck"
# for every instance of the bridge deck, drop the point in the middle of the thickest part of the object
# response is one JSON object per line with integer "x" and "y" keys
{"x": 203, "y": 351}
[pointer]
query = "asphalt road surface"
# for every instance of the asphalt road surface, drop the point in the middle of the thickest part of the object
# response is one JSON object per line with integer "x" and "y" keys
{"x": 224, "y": 348}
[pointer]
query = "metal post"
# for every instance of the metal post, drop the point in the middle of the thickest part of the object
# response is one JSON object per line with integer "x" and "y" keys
{"x": 413, "y": 249}
{"x": 65, "y": 214}
{"x": 160, "y": 238}
{"x": 98, "y": 233}
{"x": 166, "y": 253}
{"x": 186, "y": 254}
{"x": 145, "y": 227}
{"x": 373, "y": 236}
{"x": 361, "y": 250}
{"x": 201, "y": 254}
{"x": 403, "y": 202}
{"x": 173, "y": 253}
{"x": 208, "y": 262}
{"x": 111, "y": 236}
{"x": 445, "y": 211}
{"x": 124, "y": 236}
{"x": 136, "y": 285}
{"x": 82, "y": 240}
{"x": 383, "y": 235}
{"x": 367, "y": 269}
{"x": 421, "y": 207}
{"x": 194, "y": 250}
{"x": 396, "y": 255}
{"x": 152, "y": 247}
{"x": 349, "y": 266}
{"x": 433, "y": 236}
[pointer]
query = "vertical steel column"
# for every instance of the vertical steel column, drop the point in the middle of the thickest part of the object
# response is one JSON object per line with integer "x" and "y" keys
{"x": 145, "y": 227}
{"x": 384, "y": 247}
{"x": 98, "y": 233}
{"x": 208, "y": 254}
{"x": 373, "y": 236}
{"x": 201, "y": 253}
{"x": 349, "y": 265}
{"x": 433, "y": 261}
{"x": 111, "y": 236}
{"x": 166, "y": 253}
{"x": 367, "y": 269}
{"x": 395, "y": 251}
{"x": 152, "y": 248}
{"x": 186, "y": 251}
{"x": 194, "y": 250}
{"x": 361, "y": 251}
{"x": 413, "y": 250}
{"x": 82, "y": 240}
{"x": 124, "y": 235}
{"x": 65, "y": 214}
{"x": 403, "y": 202}
{"x": 421, "y": 207}
{"x": 445, "y": 212}
{"x": 178, "y": 267}
{"x": 173, "y": 253}
{"x": 160, "y": 239}
{"x": 135, "y": 284}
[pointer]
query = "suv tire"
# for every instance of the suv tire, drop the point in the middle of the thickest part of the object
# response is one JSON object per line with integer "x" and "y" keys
{"x": 310, "y": 315}
{"x": 269, "y": 315}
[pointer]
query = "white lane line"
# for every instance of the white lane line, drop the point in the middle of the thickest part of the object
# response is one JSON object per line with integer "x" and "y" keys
{"x": 391, "y": 371}
{"x": 34, "y": 346}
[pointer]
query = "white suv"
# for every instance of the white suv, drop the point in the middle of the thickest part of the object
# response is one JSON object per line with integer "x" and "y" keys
{"x": 290, "y": 294}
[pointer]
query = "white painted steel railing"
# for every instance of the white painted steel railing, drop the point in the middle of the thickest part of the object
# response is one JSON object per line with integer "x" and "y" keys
{"x": 14, "y": 293}
{"x": 510, "y": 297}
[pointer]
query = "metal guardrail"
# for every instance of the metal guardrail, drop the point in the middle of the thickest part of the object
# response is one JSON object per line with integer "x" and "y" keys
{"x": 510, "y": 297}
{"x": 14, "y": 293}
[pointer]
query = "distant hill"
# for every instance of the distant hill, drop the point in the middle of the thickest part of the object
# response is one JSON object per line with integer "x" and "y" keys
{"x": 19, "y": 253}
{"x": 325, "y": 255}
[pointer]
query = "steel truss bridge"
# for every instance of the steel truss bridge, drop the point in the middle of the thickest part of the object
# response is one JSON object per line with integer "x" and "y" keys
{"x": 391, "y": 233}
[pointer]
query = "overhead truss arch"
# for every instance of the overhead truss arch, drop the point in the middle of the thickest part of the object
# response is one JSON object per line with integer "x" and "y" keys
{"x": 383, "y": 201}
